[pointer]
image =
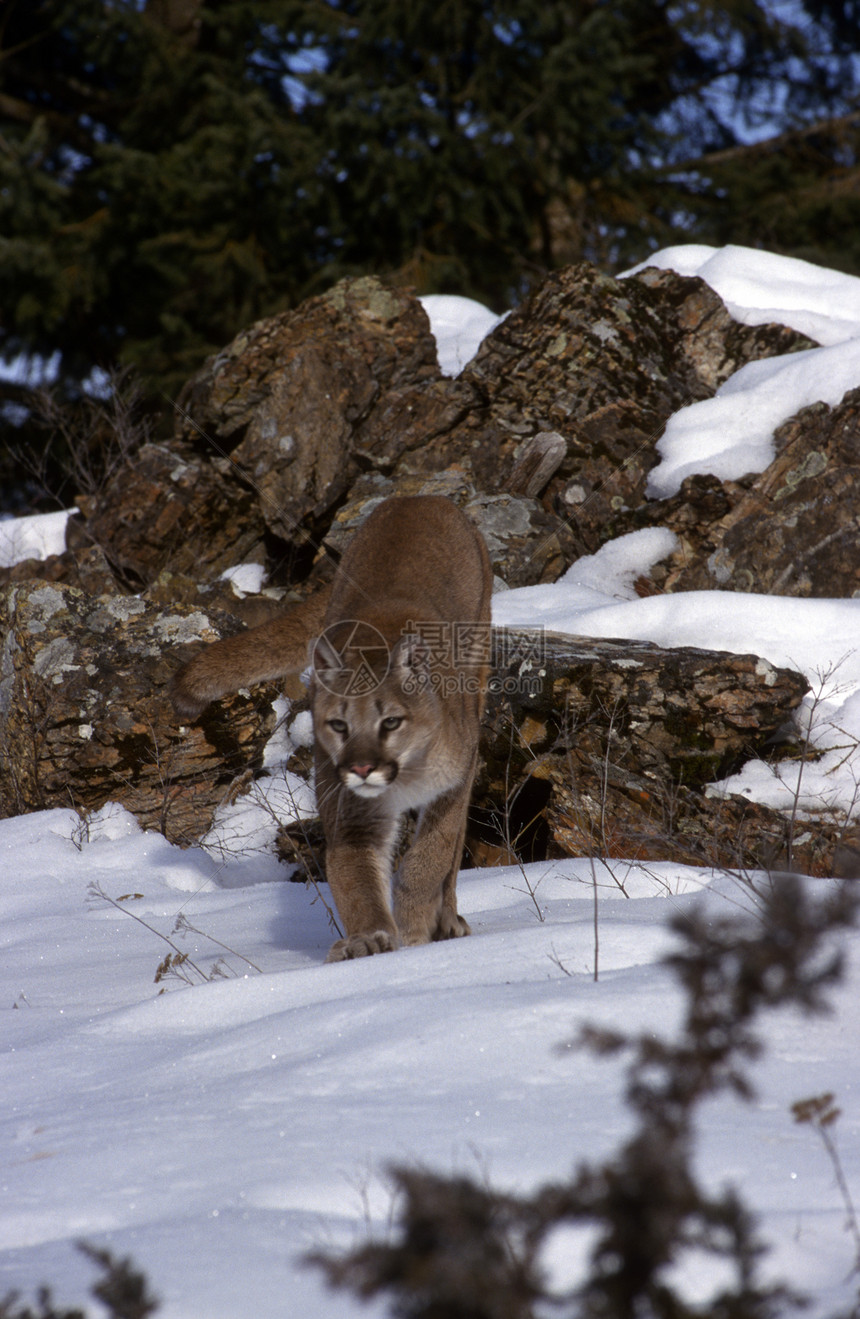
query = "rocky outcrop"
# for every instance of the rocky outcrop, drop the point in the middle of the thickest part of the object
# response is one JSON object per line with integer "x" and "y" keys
{"x": 606, "y": 748}
{"x": 563, "y": 404}
{"x": 525, "y": 543}
{"x": 287, "y": 438}
{"x": 792, "y": 530}
{"x": 169, "y": 509}
{"x": 292, "y": 398}
{"x": 603, "y": 363}
{"x": 84, "y": 714}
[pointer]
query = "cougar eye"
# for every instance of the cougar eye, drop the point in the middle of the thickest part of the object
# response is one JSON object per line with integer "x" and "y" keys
{"x": 338, "y": 725}
{"x": 393, "y": 721}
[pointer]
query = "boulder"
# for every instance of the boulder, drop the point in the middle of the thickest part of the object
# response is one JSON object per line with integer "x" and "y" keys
{"x": 563, "y": 403}
{"x": 525, "y": 543}
{"x": 607, "y": 748}
{"x": 286, "y": 400}
{"x": 792, "y": 530}
{"x": 600, "y": 363}
{"x": 589, "y": 746}
{"x": 288, "y": 437}
{"x": 169, "y": 509}
{"x": 85, "y": 718}
{"x": 86, "y": 568}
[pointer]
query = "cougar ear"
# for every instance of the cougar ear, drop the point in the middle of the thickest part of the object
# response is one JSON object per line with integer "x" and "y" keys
{"x": 411, "y": 656}
{"x": 325, "y": 661}
{"x": 322, "y": 656}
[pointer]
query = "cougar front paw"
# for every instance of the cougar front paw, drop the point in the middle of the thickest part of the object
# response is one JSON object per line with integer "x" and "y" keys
{"x": 361, "y": 945}
{"x": 451, "y": 926}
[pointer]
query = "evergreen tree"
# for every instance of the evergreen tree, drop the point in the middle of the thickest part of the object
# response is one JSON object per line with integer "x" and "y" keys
{"x": 153, "y": 183}
{"x": 171, "y": 170}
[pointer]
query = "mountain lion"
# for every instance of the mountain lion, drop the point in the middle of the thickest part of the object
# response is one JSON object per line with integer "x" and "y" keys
{"x": 398, "y": 669}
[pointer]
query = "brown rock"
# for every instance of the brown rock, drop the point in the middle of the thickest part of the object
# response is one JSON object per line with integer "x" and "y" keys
{"x": 86, "y": 568}
{"x": 601, "y": 363}
{"x": 287, "y": 398}
{"x": 171, "y": 589}
{"x": 792, "y": 530}
{"x": 606, "y": 748}
{"x": 169, "y": 509}
{"x": 84, "y": 716}
{"x": 526, "y": 544}
{"x": 417, "y": 417}
{"x": 711, "y": 343}
{"x": 535, "y": 463}
{"x": 290, "y": 435}
{"x": 305, "y": 401}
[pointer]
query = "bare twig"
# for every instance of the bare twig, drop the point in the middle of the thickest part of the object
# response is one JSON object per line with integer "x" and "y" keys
{"x": 177, "y": 962}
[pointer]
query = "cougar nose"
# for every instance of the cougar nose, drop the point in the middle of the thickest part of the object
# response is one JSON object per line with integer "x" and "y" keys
{"x": 361, "y": 770}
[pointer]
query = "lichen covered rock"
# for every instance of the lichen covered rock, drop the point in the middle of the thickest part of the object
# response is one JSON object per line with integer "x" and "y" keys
{"x": 85, "y": 718}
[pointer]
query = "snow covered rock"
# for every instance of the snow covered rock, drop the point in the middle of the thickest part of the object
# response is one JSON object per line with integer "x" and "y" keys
{"x": 554, "y": 437}
{"x": 792, "y": 530}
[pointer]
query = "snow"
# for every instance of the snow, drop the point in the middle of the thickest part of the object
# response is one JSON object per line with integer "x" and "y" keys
{"x": 458, "y": 326}
{"x": 32, "y": 538}
{"x": 218, "y": 1131}
{"x": 731, "y": 434}
{"x": 245, "y": 578}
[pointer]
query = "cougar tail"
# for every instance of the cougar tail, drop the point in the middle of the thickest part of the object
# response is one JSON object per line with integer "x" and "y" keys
{"x": 261, "y": 654}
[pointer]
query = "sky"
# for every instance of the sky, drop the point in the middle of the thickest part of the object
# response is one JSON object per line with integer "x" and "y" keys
{"x": 219, "y": 1130}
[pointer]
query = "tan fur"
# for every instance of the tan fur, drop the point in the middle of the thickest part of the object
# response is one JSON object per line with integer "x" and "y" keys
{"x": 262, "y": 654}
{"x": 395, "y": 723}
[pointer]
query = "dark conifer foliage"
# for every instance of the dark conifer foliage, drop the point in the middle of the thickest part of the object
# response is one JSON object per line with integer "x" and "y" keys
{"x": 146, "y": 182}
{"x": 172, "y": 169}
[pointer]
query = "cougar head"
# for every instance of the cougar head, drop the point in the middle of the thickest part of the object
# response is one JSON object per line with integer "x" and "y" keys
{"x": 373, "y": 710}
